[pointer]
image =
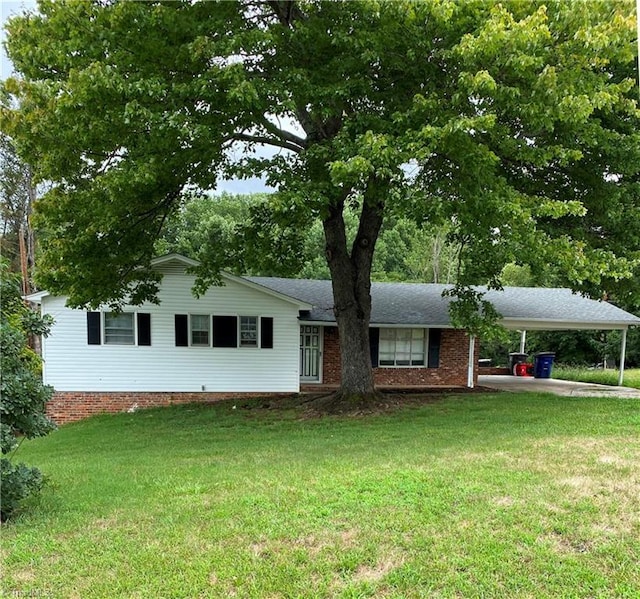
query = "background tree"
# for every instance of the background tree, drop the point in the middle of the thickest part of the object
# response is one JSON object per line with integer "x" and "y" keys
{"x": 519, "y": 121}
{"x": 206, "y": 227}
{"x": 407, "y": 251}
{"x": 238, "y": 233}
{"x": 17, "y": 196}
{"x": 22, "y": 394}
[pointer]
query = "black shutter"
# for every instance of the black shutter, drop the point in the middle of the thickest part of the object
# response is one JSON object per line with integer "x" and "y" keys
{"x": 225, "y": 331}
{"x": 374, "y": 345}
{"x": 433, "y": 358}
{"x": 182, "y": 330}
{"x": 93, "y": 328}
{"x": 144, "y": 328}
{"x": 266, "y": 332}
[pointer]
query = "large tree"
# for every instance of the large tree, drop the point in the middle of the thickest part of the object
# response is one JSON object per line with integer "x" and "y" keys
{"x": 516, "y": 122}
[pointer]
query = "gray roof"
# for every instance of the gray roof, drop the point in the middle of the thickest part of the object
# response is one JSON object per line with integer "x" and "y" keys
{"x": 423, "y": 304}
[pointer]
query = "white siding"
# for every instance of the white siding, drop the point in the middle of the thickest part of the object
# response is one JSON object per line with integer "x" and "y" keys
{"x": 70, "y": 364}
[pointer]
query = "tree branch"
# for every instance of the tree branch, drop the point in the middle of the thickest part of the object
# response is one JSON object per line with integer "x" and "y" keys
{"x": 259, "y": 139}
{"x": 282, "y": 134}
{"x": 287, "y": 11}
{"x": 370, "y": 221}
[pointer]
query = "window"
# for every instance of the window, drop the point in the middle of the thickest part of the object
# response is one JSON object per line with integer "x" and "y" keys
{"x": 402, "y": 347}
{"x": 248, "y": 331}
{"x": 200, "y": 330}
{"x": 227, "y": 331}
{"x": 119, "y": 328}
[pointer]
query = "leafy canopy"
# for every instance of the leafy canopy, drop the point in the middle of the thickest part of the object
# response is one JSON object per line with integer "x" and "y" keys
{"x": 516, "y": 122}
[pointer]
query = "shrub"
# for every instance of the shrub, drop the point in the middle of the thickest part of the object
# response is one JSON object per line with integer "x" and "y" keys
{"x": 23, "y": 397}
{"x": 18, "y": 482}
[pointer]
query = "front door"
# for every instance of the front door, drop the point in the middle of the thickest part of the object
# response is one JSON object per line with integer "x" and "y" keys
{"x": 310, "y": 352}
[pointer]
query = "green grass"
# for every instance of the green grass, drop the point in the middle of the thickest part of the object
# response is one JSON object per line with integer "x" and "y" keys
{"x": 597, "y": 375}
{"x": 497, "y": 495}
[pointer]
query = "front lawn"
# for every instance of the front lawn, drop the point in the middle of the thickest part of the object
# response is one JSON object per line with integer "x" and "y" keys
{"x": 497, "y": 495}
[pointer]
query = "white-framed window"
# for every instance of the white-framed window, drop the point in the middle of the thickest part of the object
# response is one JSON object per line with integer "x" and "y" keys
{"x": 402, "y": 347}
{"x": 200, "y": 330}
{"x": 248, "y": 331}
{"x": 119, "y": 328}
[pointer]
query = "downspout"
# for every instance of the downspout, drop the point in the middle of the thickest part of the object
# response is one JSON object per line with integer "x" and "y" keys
{"x": 470, "y": 370}
{"x": 623, "y": 351}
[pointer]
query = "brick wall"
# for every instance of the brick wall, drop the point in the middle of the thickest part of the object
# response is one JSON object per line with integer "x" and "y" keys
{"x": 454, "y": 358}
{"x": 69, "y": 406}
{"x": 331, "y": 368}
{"x": 493, "y": 370}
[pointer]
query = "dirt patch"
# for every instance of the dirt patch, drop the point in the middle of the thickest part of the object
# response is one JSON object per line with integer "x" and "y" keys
{"x": 378, "y": 571}
{"x": 505, "y": 501}
{"x": 317, "y": 405}
{"x": 379, "y": 402}
{"x": 313, "y": 544}
{"x": 567, "y": 544}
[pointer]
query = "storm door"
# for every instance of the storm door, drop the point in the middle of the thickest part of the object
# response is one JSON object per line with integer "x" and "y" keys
{"x": 310, "y": 352}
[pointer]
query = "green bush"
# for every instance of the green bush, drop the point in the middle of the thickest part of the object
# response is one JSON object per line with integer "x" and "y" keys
{"x": 23, "y": 397}
{"x": 18, "y": 482}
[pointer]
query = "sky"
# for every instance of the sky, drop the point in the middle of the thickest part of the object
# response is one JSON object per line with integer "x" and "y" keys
{"x": 7, "y": 9}
{"x": 12, "y": 7}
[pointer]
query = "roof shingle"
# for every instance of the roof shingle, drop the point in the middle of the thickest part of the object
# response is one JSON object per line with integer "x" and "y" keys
{"x": 423, "y": 304}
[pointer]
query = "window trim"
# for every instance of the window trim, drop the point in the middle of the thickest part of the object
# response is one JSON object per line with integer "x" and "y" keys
{"x": 190, "y": 330}
{"x": 257, "y": 343}
{"x": 134, "y": 328}
{"x": 425, "y": 345}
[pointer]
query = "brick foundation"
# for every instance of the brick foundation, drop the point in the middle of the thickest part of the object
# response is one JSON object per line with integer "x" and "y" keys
{"x": 70, "y": 406}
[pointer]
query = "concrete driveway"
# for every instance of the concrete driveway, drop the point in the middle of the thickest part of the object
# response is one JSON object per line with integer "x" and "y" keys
{"x": 566, "y": 388}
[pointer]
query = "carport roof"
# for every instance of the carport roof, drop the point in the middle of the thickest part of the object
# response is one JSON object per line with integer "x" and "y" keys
{"x": 406, "y": 304}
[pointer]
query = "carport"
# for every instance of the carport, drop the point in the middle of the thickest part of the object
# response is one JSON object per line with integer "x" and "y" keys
{"x": 546, "y": 309}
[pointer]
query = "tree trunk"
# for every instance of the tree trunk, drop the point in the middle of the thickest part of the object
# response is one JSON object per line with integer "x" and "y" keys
{"x": 351, "y": 281}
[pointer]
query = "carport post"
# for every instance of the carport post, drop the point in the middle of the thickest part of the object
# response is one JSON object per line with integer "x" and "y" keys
{"x": 472, "y": 343}
{"x": 523, "y": 341}
{"x": 623, "y": 351}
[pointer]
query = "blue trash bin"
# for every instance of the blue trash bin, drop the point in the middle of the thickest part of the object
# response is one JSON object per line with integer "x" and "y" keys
{"x": 543, "y": 365}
